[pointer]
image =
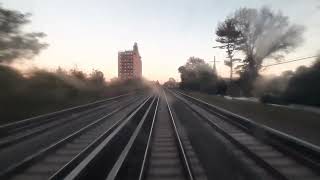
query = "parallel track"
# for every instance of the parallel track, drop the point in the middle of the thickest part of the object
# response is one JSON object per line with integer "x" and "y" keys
{"x": 125, "y": 149}
{"x": 106, "y": 158}
{"x": 37, "y": 120}
{"x": 283, "y": 156}
{"x": 144, "y": 142}
{"x": 137, "y": 148}
{"x": 18, "y": 131}
{"x": 48, "y": 161}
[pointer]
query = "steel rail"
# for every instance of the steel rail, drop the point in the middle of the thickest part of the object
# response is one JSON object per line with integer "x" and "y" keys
{"x": 147, "y": 150}
{"x": 251, "y": 154}
{"x": 185, "y": 160}
{"x": 271, "y": 136}
{"x": 119, "y": 163}
{"x": 91, "y": 152}
{"x": 10, "y": 171}
{"x": 6, "y": 128}
{"x": 302, "y": 151}
{"x": 43, "y": 127}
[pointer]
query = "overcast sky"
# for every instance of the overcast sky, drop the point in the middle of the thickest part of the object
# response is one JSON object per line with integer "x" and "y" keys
{"x": 89, "y": 33}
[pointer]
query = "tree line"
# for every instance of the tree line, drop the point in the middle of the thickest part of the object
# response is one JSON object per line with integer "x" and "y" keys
{"x": 294, "y": 87}
{"x": 250, "y": 38}
{"x": 41, "y": 91}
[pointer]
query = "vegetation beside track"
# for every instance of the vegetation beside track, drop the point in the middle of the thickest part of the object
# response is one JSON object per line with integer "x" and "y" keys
{"x": 41, "y": 91}
{"x": 297, "y": 122}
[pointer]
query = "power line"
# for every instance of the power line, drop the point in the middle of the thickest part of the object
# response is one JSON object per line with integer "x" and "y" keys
{"x": 284, "y": 62}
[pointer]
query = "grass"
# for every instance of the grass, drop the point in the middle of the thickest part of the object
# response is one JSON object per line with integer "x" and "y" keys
{"x": 299, "y": 123}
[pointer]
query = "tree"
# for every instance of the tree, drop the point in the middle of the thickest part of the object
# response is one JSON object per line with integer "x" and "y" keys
{"x": 297, "y": 87}
{"x": 14, "y": 43}
{"x": 230, "y": 38}
{"x": 97, "y": 78}
{"x": 266, "y": 34}
{"x": 171, "y": 83}
{"x": 198, "y": 75}
{"x": 303, "y": 87}
{"x": 78, "y": 74}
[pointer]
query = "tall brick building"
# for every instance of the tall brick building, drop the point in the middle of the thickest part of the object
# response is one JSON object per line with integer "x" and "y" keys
{"x": 129, "y": 64}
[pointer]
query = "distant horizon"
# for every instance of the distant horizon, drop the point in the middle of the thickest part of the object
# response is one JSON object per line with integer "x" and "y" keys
{"x": 89, "y": 35}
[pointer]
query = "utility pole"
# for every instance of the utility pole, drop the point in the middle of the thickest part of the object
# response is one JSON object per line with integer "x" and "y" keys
{"x": 230, "y": 63}
{"x": 214, "y": 65}
{"x": 231, "y": 68}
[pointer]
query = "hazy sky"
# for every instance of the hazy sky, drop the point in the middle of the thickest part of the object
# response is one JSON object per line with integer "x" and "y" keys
{"x": 89, "y": 33}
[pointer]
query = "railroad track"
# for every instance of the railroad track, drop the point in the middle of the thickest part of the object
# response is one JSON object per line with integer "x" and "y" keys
{"x": 165, "y": 155}
{"x": 109, "y": 157}
{"x": 280, "y": 155}
{"x": 44, "y": 163}
{"x": 145, "y": 141}
{"x": 14, "y": 132}
{"x": 133, "y": 149}
{"x": 144, "y": 144}
{"x": 25, "y": 144}
{"x": 155, "y": 149}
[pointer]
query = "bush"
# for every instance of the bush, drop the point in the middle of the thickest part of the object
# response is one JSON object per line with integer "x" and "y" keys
{"x": 304, "y": 86}
{"x": 41, "y": 91}
{"x": 272, "y": 99}
{"x": 197, "y": 75}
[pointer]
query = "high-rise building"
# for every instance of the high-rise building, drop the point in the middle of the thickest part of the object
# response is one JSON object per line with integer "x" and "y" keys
{"x": 129, "y": 64}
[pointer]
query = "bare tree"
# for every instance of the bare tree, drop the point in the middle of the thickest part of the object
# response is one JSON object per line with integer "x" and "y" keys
{"x": 14, "y": 43}
{"x": 230, "y": 38}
